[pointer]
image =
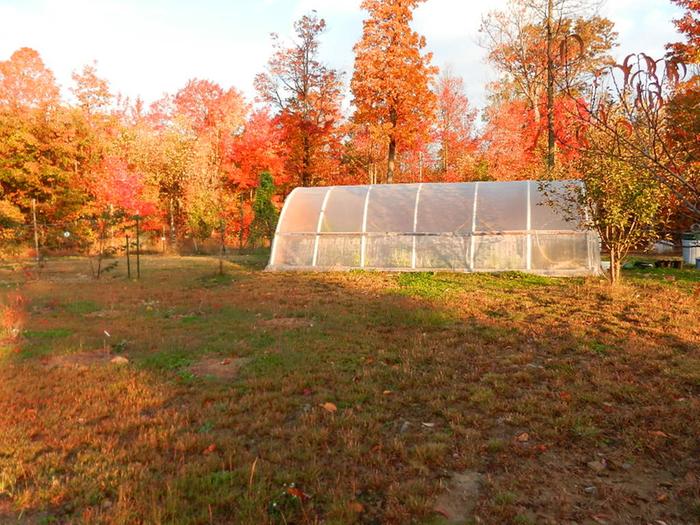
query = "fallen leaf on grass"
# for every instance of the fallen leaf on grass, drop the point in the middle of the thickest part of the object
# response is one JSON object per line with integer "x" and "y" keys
{"x": 524, "y": 437}
{"x": 565, "y": 396}
{"x": 210, "y": 449}
{"x": 329, "y": 407}
{"x": 386, "y": 392}
{"x": 298, "y": 493}
{"x": 357, "y": 507}
{"x": 658, "y": 433}
{"x": 662, "y": 498}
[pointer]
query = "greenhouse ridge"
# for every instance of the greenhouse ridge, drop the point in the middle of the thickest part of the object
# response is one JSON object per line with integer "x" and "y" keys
{"x": 478, "y": 226}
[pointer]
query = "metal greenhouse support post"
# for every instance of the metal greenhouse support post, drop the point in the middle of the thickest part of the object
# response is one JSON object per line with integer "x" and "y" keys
{"x": 415, "y": 225}
{"x": 363, "y": 241}
{"x": 320, "y": 223}
{"x": 473, "y": 237}
{"x": 529, "y": 228}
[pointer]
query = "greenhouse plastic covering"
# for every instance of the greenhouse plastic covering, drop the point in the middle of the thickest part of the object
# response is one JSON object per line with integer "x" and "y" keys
{"x": 480, "y": 226}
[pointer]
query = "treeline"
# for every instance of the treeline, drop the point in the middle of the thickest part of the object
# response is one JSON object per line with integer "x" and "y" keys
{"x": 206, "y": 162}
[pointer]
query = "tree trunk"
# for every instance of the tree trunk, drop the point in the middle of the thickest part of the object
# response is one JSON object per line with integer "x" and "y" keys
{"x": 550, "y": 90}
{"x": 222, "y": 247}
{"x": 615, "y": 266}
{"x": 171, "y": 213}
{"x": 391, "y": 161}
{"x": 445, "y": 152}
{"x": 306, "y": 162}
{"x": 241, "y": 218}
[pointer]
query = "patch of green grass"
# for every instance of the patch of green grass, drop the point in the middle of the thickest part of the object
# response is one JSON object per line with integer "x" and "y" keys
{"x": 412, "y": 317}
{"x": 424, "y": 284}
{"x": 495, "y": 445}
{"x": 261, "y": 341}
{"x": 206, "y": 427}
{"x": 482, "y": 396}
{"x": 599, "y": 348}
{"x": 686, "y": 278}
{"x": 510, "y": 281}
{"x": 276, "y": 364}
{"x": 231, "y": 313}
{"x": 216, "y": 280}
{"x": 82, "y": 307}
{"x": 493, "y": 333}
{"x": 505, "y": 498}
{"x": 167, "y": 360}
{"x": 251, "y": 259}
{"x": 583, "y": 427}
{"x": 524, "y": 519}
{"x": 687, "y": 369}
{"x": 48, "y": 334}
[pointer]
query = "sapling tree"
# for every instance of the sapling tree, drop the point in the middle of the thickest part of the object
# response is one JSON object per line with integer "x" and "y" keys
{"x": 265, "y": 221}
{"x": 624, "y": 205}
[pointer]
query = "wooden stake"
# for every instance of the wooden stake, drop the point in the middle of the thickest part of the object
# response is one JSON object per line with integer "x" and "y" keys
{"x": 36, "y": 232}
{"x": 138, "y": 247}
{"x": 128, "y": 259}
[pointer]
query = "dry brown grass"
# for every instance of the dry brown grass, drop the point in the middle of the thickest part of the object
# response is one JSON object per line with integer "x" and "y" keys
{"x": 573, "y": 402}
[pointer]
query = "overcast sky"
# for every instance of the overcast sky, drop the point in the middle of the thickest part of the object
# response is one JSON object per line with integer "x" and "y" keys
{"x": 149, "y": 47}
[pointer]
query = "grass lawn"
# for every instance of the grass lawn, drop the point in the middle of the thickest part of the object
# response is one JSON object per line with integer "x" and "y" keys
{"x": 358, "y": 397}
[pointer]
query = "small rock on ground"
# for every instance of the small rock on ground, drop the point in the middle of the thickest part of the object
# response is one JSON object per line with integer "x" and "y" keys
{"x": 457, "y": 504}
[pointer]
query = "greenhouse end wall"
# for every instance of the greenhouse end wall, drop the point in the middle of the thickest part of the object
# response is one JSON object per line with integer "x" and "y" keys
{"x": 465, "y": 227}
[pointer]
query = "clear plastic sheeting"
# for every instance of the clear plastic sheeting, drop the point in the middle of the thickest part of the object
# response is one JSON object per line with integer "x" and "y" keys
{"x": 468, "y": 227}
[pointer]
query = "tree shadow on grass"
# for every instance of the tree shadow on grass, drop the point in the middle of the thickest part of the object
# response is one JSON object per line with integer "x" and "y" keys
{"x": 424, "y": 384}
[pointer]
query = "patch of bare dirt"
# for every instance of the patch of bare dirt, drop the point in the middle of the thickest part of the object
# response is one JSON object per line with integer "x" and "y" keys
{"x": 83, "y": 359}
{"x": 457, "y": 503}
{"x": 286, "y": 322}
{"x": 218, "y": 368}
{"x": 103, "y": 314}
{"x": 607, "y": 491}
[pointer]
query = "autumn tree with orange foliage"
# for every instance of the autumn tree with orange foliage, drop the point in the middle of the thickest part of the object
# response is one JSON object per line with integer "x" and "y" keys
{"x": 216, "y": 117}
{"x": 26, "y": 83}
{"x": 260, "y": 149}
{"x": 689, "y": 26}
{"x": 454, "y": 129}
{"x": 546, "y": 51}
{"x": 306, "y": 95}
{"x": 40, "y": 143}
{"x": 392, "y": 78}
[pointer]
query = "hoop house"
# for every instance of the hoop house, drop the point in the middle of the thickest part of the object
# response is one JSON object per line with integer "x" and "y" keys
{"x": 470, "y": 227}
